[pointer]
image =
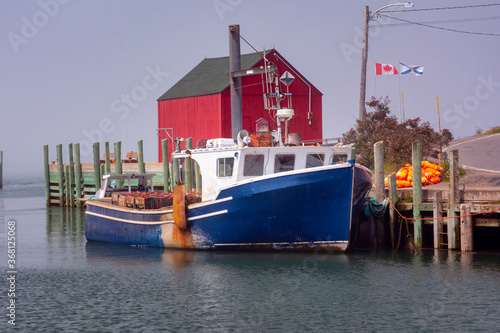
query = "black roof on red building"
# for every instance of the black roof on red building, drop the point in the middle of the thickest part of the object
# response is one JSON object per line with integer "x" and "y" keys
{"x": 211, "y": 76}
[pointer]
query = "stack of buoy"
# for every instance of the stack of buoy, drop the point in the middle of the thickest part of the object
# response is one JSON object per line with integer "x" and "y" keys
{"x": 430, "y": 175}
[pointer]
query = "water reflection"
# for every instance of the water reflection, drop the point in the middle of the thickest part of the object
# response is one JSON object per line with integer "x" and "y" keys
{"x": 65, "y": 221}
{"x": 106, "y": 254}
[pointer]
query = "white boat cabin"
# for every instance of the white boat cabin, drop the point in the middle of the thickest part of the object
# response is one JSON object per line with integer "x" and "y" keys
{"x": 226, "y": 164}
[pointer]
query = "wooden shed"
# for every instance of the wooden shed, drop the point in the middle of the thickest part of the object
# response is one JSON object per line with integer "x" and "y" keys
{"x": 199, "y": 105}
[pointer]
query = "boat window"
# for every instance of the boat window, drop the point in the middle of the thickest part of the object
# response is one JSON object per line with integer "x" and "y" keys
{"x": 284, "y": 162}
{"x": 339, "y": 158}
{"x": 254, "y": 165}
{"x": 315, "y": 160}
{"x": 225, "y": 167}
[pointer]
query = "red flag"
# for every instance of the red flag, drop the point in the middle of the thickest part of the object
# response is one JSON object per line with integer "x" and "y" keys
{"x": 385, "y": 69}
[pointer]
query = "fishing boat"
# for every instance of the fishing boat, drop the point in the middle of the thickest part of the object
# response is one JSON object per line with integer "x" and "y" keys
{"x": 274, "y": 194}
{"x": 284, "y": 197}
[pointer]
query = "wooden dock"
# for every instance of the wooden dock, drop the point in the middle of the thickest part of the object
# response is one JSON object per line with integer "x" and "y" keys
{"x": 67, "y": 183}
{"x": 454, "y": 214}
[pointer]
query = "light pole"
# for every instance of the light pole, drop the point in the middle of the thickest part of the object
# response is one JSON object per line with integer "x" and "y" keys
{"x": 364, "y": 54}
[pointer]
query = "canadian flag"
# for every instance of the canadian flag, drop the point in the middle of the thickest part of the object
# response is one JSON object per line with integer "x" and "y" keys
{"x": 385, "y": 69}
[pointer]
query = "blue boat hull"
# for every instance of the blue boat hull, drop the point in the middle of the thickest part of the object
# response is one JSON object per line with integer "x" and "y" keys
{"x": 314, "y": 207}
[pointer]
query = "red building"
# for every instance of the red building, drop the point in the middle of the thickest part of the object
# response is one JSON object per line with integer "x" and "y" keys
{"x": 199, "y": 105}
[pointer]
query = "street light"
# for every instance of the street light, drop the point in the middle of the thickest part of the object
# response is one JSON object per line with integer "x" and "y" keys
{"x": 364, "y": 54}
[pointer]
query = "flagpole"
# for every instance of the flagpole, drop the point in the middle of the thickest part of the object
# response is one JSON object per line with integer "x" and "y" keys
{"x": 401, "y": 99}
{"x": 403, "y": 102}
{"x": 439, "y": 118}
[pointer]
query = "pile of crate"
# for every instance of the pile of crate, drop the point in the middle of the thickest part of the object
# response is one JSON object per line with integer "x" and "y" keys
{"x": 151, "y": 200}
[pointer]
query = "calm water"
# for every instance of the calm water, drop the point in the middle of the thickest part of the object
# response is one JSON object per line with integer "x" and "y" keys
{"x": 64, "y": 283}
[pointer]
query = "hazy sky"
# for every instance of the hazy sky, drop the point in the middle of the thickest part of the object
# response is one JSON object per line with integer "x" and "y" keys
{"x": 85, "y": 71}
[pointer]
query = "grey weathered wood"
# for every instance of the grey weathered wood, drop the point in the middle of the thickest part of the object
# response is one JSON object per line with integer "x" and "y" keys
{"x": 46, "y": 173}
{"x": 393, "y": 196}
{"x": 67, "y": 185}
{"x": 188, "y": 166}
{"x": 78, "y": 173}
{"x": 437, "y": 222}
{"x": 175, "y": 171}
{"x": 164, "y": 154}
{"x": 197, "y": 175}
{"x": 97, "y": 166}
{"x": 416, "y": 150}
{"x": 364, "y": 59}
{"x": 71, "y": 174}
{"x": 140, "y": 157}
{"x": 378, "y": 149}
{"x": 118, "y": 161}
{"x": 466, "y": 229}
{"x": 60, "y": 170}
{"x": 453, "y": 223}
{"x": 107, "y": 161}
{"x": 1, "y": 168}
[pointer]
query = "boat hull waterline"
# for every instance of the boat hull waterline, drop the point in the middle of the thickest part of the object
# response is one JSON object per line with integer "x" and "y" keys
{"x": 300, "y": 211}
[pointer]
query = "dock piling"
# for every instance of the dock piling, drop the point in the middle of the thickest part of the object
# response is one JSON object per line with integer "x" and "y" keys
{"x": 393, "y": 196}
{"x": 466, "y": 229}
{"x": 378, "y": 149}
{"x": 188, "y": 166}
{"x": 118, "y": 161}
{"x": 46, "y": 173}
{"x": 438, "y": 222}
{"x": 60, "y": 169}
{"x": 78, "y": 174}
{"x": 453, "y": 223}
{"x": 140, "y": 157}
{"x": 97, "y": 167}
{"x": 1, "y": 168}
{"x": 416, "y": 150}
{"x": 107, "y": 161}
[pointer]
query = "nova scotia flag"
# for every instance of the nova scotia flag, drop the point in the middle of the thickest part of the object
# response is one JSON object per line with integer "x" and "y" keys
{"x": 405, "y": 69}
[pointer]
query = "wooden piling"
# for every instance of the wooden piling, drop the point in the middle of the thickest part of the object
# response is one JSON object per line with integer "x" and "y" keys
{"x": 118, "y": 161}
{"x": 197, "y": 176}
{"x": 1, "y": 168}
{"x": 60, "y": 170}
{"x": 164, "y": 154}
{"x": 71, "y": 173}
{"x": 140, "y": 157}
{"x": 67, "y": 186}
{"x": 97, "y": 167}
{"x": 393, "y": 197}
{"x": 453, "y": 223}
{"x": 378, "y": 149}
{"x": 188, "y": 166}
{"x": 175, "y": 171}
{"x": 107, "y": 160}
{"x": 437, "y": 206}
{"x": 78, "y": 174}
{"x": 416, "y": 150}
{"x": 466, "y": 229}
{"x": 46, "y": 173}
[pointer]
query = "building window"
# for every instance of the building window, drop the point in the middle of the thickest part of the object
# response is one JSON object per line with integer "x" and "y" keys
{"x": 254, "y": 165}
{"x": 284, "y": 162}
{"x": 315, "y": 160}
{"x": 339, "y": 158}
{"x": 225, "y": 167}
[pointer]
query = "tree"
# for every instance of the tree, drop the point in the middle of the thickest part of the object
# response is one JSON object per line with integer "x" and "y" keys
{"x": 380, "y": 125}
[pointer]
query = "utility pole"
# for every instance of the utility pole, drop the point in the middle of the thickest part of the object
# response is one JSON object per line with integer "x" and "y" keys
{"x": 235, "y": 82}
{"x": 364, "y": 58}
{"x": 364, "y": 54}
